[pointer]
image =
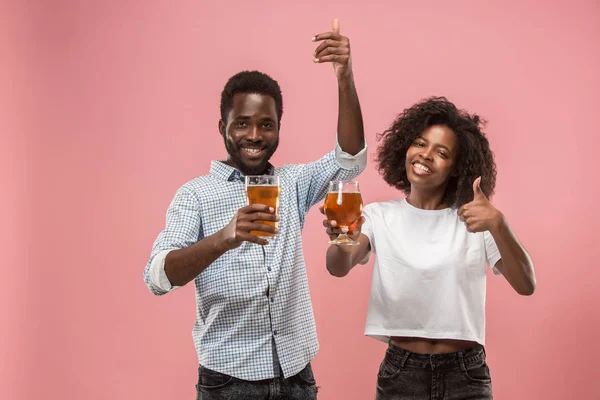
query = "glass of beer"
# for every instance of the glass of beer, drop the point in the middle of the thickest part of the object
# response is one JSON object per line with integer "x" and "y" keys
{"x": 343, "y": 204}
{"x": 263, "y": 189}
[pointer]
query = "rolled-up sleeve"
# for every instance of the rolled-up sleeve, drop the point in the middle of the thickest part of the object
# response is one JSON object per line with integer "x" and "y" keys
{"x": 183, "y": 228}
{"x": 351, "y": 162}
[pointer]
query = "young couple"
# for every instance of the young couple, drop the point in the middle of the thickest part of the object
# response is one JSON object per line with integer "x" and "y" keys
{"x": 255, "y": 330}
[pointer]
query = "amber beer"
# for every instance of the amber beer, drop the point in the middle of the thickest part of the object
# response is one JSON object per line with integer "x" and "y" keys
{"x": 263, "y": 189}
{"x": 343, "y": 204}
{"x": 345, "y": 210}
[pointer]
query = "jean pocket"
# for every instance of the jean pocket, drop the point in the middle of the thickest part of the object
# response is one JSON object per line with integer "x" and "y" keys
{"x": 306, "y": 376}
{"x": 388, "y": 369}
{"x": 212, "y": 380}
{"x": 479, "y": 373}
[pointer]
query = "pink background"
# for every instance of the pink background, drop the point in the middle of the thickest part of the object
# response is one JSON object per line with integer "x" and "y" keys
{"x": 108, "y": 107}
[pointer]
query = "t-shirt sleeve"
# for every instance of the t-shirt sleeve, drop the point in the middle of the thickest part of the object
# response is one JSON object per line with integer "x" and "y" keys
{"x": 367, "y": 229}
{"x": 491, "y": 252}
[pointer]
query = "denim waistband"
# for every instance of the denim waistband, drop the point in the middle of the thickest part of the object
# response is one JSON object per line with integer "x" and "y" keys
{"x": 458, "y": 359}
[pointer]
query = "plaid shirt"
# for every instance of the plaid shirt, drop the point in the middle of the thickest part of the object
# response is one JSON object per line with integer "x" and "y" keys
{"x": 252, "y": 304}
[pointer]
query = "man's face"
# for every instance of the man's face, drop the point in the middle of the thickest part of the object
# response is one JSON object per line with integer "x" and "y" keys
{"x": 251, "y": 132}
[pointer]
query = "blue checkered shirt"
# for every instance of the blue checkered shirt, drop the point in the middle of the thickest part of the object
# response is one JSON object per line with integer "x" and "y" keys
{"x": 253, "y": 307}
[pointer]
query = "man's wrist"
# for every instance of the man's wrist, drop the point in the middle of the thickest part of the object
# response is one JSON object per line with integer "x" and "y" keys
{"x": 221, "y": 243}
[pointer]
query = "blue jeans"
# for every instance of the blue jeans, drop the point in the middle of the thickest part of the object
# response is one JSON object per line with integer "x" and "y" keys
{"x": 214, "y": 385}
{"x": 462, "y": 375}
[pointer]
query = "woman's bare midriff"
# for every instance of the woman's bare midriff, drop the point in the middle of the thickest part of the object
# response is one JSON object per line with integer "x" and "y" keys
{"x": 431, "y": 346}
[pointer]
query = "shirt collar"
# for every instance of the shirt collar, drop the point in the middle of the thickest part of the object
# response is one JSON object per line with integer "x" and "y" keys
{"x": 228, "y": 173}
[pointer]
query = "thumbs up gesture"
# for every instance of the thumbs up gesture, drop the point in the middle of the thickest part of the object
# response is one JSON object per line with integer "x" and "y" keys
{"x": 334, "y": 48}
{"x": 480, "y": 215}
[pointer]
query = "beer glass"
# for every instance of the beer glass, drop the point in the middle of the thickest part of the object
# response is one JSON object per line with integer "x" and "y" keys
{"x": 343, "y": 204}
{"x": 263, "y": 189}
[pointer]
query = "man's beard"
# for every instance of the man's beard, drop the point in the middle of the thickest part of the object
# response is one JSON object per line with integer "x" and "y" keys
{"x": 234, "y": 153}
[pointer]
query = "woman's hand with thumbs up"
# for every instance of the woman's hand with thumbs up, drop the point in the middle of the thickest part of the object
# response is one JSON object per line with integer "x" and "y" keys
{"x": 480, "y": 215}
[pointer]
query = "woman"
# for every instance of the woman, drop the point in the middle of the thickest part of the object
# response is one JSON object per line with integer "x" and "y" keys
{"x": 431, "y": 248}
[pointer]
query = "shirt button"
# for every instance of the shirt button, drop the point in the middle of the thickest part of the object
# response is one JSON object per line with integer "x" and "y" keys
{"x": 275, "y": 332}
{"x": 269, "y": 269}
{"x": 272, "y": 299}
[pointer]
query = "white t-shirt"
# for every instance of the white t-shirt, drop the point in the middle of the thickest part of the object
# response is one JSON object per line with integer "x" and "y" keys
{"x": 429, "y": 277}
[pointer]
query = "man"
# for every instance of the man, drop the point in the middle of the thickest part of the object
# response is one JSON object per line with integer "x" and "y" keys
{"x": 255, "y": 330}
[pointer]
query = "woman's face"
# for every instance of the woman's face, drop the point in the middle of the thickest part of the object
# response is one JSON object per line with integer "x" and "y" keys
{"x": 431, "y": 158}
